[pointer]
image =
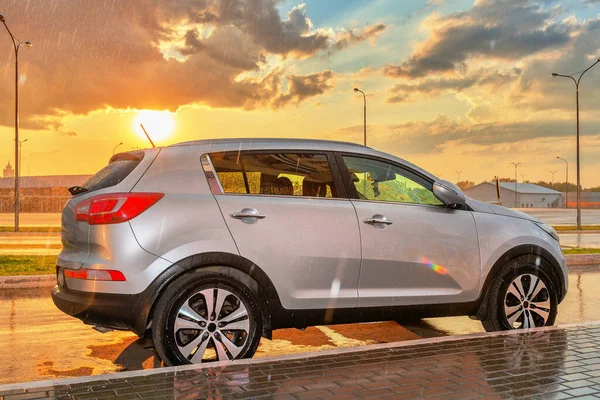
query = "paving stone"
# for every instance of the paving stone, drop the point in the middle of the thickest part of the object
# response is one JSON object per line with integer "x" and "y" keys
{"x": 556, "y": 364}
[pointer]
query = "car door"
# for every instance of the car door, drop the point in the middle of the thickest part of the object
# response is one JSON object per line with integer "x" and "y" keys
{"x": 290, "y": 216}
{"x": 414, "y": 249}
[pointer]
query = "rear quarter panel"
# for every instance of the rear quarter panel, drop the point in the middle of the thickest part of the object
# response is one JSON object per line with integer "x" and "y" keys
{"x": 187, "y": 220}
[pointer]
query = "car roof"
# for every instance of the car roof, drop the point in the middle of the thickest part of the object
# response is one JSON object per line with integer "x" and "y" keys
{"x": 261, "y": 143}
{"x": 246, "y": 144}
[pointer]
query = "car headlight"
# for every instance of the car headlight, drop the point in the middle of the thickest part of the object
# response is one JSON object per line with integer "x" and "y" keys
{"x": 549, "y": 230}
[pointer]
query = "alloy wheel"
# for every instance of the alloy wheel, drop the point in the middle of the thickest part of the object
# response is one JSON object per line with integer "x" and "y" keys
{"x": 527, "y": 302}
{"x": 213, "y": 324}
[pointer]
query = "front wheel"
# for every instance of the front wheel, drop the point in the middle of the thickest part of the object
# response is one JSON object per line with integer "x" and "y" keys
{"x": 522, "y": 296}
{"x": 206, "y": 316}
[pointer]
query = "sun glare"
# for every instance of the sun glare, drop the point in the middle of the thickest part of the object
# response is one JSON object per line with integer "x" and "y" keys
{"x": 159, "y": 124}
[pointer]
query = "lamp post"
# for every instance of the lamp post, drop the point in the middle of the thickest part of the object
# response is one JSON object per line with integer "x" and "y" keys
{"x": 115, "y": 148}
{"x": 516, "y": 165}
{"x": 21, "y": 152}
{"x": 552, "y": 172}
{"x": 364, "y": 114}
{"x": 458, "y": 173}
{"x": 566, "y": 181}
{"x": 577, "y": 81}
{"x": 16, "y": 44}
{"x": 523, "y": 177}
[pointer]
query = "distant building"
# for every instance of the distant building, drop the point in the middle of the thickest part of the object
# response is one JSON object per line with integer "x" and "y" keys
{"x": 529, "y": 195}
{"x": 39, "y": 193}
{"x": 8, "y": 172}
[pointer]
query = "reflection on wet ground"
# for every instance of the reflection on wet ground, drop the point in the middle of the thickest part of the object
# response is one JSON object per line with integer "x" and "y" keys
{"x": 38, "y": 342}
{"x": 581, "y": 240}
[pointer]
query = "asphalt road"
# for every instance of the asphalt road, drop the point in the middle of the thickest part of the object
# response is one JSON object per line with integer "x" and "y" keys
{"x": 38, "y": 342}
{"x": 552, "y": 216}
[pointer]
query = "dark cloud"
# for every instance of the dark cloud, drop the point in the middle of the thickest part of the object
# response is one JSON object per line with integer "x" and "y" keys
{"x": 259, "y": 19}
{"x": 347, "y": 38}
{"x": 89, "y": 55}
{"x": 431, "y": 87}
{"x": 504, "y": 29}
{"x": 431, "y": 136}
{"x": 434, "y": 136}
{"x": 301, "y": 87}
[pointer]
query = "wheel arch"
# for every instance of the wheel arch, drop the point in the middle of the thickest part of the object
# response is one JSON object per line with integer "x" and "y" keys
{"x": 142, "y": 305}
{"x": 530, "y": 253}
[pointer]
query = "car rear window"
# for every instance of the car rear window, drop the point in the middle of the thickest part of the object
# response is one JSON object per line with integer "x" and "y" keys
{"x": 118, "y": 168}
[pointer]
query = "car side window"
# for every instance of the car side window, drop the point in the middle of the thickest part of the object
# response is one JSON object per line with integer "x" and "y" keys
{"x": 380, "y": 181}
{"x": 280, "y": 174}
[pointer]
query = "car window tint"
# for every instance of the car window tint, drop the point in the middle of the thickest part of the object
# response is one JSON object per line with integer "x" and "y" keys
{"x": 281, "y": 174}
{"x": 119, "y": 167}
{"x": 380, "y": 181}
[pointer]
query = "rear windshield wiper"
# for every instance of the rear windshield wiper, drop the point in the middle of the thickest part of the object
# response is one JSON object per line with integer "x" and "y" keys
{"x": 77, "y": 190}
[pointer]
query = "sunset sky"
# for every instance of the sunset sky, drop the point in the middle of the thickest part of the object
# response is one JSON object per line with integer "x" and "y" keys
{"x": 451, "y": 85}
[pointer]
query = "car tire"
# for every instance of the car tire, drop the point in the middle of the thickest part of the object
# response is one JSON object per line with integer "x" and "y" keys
{"x": 514, "y": 304}
{"x": 188, "y": 329}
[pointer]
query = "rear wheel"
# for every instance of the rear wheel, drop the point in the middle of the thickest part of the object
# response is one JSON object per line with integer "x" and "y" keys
{"x": 522, "y": 296}
{"x": 206, "y": 316}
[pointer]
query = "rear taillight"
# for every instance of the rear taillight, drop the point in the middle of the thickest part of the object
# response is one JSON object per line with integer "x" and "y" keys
{"x": 95, "y": 274}
{"x": 114, "y": 208}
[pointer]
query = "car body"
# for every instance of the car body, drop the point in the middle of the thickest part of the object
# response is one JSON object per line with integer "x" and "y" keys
{"x": 328, "y": 232}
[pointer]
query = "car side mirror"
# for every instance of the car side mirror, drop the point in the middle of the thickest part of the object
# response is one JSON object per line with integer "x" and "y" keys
{"x": 449, "y": 194}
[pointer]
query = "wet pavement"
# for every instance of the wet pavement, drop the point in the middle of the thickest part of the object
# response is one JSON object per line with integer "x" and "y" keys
{"x": 564, "y": 216}
{"x": 38, "y": 342}
{"x": 544, "y": 363}
{"x": 31, "y": 219}
{"x": 581, "y": 240}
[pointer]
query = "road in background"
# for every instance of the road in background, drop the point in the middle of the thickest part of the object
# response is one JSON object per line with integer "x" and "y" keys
{"x": 39, "y": 342}
{"x": 31, "y": 219}
{"x": 564, "y": 216}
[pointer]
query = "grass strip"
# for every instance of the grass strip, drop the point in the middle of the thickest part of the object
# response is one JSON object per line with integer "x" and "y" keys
{"x": 27, "y": 265}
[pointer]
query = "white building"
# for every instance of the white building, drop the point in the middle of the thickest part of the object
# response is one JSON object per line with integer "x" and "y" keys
{"x": 528, "y": 195}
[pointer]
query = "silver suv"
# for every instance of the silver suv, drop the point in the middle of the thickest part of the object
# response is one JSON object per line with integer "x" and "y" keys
{"x": 210, "y": 245}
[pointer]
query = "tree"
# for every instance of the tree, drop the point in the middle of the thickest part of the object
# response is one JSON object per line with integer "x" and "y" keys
{"x": 503, "y": 180}
{"x": 464, "y": 185}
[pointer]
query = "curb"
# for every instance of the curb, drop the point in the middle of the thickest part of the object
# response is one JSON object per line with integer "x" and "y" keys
{"x": 40, "y": 281}
{"x": 582, "y": 259}
{"x": 27, "y": 281}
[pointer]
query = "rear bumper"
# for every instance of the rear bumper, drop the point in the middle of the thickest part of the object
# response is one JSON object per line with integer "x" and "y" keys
{"x": 108, "y": 310}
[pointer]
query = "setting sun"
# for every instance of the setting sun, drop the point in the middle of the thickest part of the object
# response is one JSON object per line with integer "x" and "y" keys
{"x": 158, "y": 124}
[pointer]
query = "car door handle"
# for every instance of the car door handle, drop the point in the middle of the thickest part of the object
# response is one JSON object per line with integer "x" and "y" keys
{"x": 377, "y": 219}
{"x": 247, "y": 213}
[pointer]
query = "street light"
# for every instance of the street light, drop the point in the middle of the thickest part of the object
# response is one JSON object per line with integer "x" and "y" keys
{"x": 364, "y": 113}
{"x": 115, "y": 148}
{"x": 16, "y": 44}
{"x": 552, "y": 172}
{"x": 21, "y": 152}
{"x": 566, "y": 181}
{"x": 523, "y": 177}
{"x": 554, "y": 74}
{"x": 516, "y": 165}
{"x": 458, "y": 173}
